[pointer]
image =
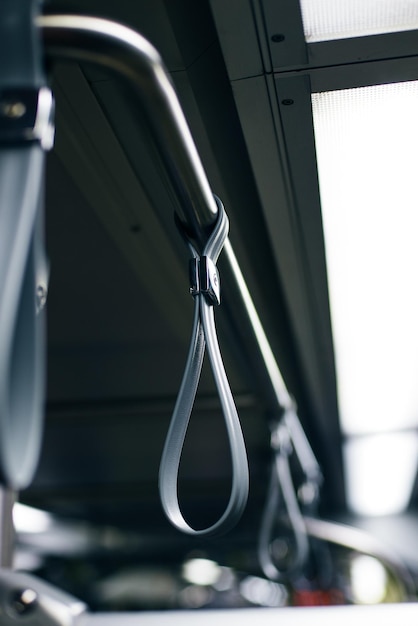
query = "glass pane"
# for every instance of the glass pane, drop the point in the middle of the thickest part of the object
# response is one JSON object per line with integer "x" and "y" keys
{"x": 380, "y": 472}
{"x": 338, "y": 19}
{"x": 366, "y": 142}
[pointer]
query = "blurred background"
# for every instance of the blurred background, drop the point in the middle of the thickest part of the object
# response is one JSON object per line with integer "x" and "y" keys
{"x": 304, "y": 118}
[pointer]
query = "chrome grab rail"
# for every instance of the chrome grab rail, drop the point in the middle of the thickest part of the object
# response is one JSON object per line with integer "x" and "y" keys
{"x": 120, "y": 49}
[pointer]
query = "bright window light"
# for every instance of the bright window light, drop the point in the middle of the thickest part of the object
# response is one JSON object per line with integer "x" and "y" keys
{"x": 263, "y": 592}
{"x": 368, "y": 580}
{"x": 366, "y": 141}
{"x": 27, "y": 519}
{"x": 201, "y": 571}
{"x": 380, "y": 472}
{"x": 339, "y": 19}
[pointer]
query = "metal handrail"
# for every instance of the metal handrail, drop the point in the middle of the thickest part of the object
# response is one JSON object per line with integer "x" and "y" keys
{"x": 121, "y": 49}
{"x": 124, "y": 51}
{"x": 361, "y": 541}
{"x": 133, "y": 58}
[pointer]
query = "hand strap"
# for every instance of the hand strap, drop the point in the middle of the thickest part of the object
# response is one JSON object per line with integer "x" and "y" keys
{"x": 206, "y": 293}
{"x": 283, "y": 502}
{"x": 25, "y": 131}
{"x": 281, "y": 488}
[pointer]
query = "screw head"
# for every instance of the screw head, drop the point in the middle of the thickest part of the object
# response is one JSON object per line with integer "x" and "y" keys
{"x": 41, "y": 296}
{"x": 23, "y": 601}
{"x": 288, "y": 102}
{"x": 278, "y": 38}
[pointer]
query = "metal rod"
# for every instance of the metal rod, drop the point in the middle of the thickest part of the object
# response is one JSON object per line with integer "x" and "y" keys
{"x": 361, "y": 541}
{"x": 281, "y": 393}
{"x": 7, "y": 535}
{"x": 133, "y": 58}
{"x": 130, "y": 55}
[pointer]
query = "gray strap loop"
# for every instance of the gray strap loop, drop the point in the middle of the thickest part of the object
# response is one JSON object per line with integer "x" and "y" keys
{"x": 21, "y": 244}
{"x": 288, "y": 438}
{"x": 21, "y": 329}
{"x": 281, "y": 486}
{"x": 204, "y": 334}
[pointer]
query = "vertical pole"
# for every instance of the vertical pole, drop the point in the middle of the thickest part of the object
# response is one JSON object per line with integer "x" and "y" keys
{"x": 7, "y": 535}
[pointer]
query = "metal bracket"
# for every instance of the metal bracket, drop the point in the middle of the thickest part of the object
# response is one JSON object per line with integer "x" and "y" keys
{"x": 33, "y": 602}
{"x": 204, "y": 279}
{"x": 26, "y": 115}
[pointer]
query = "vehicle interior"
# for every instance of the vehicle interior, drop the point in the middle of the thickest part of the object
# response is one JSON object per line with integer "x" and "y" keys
{"x": 303, "y": 116}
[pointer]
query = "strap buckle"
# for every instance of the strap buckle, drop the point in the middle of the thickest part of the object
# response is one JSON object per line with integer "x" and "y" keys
{"x": 27, "y": 115}
{"x": 204, "y": 279}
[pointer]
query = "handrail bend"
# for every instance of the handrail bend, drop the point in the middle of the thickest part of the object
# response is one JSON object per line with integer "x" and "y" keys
{"x": 120, "y": 49}
{"x": 132, "y": 57}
